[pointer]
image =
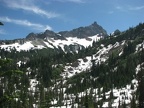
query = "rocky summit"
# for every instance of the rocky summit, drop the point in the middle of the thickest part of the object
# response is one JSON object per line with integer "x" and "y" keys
{"x": 81, "y": 32}
{"x": 73, "y": 40}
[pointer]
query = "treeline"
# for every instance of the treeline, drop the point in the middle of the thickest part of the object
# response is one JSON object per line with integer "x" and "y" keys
{"x": 41, "y": 69}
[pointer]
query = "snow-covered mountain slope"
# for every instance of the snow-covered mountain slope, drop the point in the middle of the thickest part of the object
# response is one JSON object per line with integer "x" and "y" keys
{"x": 83, "y": 64}
{"x": 68, "y": 41}
{"x": 109, "y": 74}
{"x": 120, "y": 95}
{"x": 52, "y": 43}
{"x": 26, "y": 46}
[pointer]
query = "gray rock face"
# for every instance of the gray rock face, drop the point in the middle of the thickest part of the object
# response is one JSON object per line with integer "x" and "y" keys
{"x": 31, "y": 36}
{"x": 81, "y": 32}
{"x": 50, "y": 39}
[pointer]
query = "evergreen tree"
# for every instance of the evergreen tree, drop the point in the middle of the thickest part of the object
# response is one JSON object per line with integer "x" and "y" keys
{"x": 124, "y": 104}
{"x": 141, "y": 87}
{"x": 133, "y": 102}
{"x": 86, "y": 102}
{"x": 7, "y": 75}
{"x": 117, "y": 32}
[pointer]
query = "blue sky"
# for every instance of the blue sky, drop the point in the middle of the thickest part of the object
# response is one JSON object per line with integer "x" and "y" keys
{"x": 21, "y": 17}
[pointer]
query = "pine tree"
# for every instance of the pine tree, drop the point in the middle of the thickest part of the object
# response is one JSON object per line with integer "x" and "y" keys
{"x": 8, "y": 73}
{"x": 133, "y": 102}
{"x": 86, "y": 103}
{"x": 141, "y": 87}
{"x": 124, "y": 104}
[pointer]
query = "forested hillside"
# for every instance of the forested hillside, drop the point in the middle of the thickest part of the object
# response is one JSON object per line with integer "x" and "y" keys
{"x": 108, "y": 74}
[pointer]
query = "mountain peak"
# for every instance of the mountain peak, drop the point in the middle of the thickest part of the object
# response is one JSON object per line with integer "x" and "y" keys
{"x": 83, "y": 32}
{"x": 80, "y": 32}
{"x": 94, "y": 23}
{"x": 31, "y": 36}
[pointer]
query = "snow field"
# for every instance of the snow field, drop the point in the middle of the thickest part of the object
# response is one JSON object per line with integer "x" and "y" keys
{"x": 122, "y": 94}
{"x": 51, "y": 43}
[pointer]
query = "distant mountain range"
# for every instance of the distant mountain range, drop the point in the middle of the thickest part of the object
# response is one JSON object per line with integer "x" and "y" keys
{"x": 66, "y": 40}
{"x": 108, "y": 74}
{"x": 81, "y": 32}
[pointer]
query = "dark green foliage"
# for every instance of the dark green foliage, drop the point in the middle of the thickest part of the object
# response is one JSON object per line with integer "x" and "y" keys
{"x": 9, "y": 76}
{"x": 46, "y": 66}
{"x": 86, "y": 101}
{"x": 129, "y": 48}
{"x": 133, "y": 102}
{"x": 141, "y": 87}
{"x": 80, "y": 83}
{"x": 117, "y": 32}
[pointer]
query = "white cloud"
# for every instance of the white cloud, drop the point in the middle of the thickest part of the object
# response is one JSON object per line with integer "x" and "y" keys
{"x": 136, "y": 8}
{"x": 74, "y": 1}
{"x": 128, "y": 8}
{"x": 28, "y": 5}
{"x": 120, "y": 8}
{"x": 27, "y": 23}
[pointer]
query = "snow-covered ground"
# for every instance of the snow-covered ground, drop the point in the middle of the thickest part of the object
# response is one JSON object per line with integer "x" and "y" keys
{"x": 82, "y": 64}
{"x": 139, "y": 47}
{"x": 86, "y": 63}
{"x": 51, "y": 43}
{"x": 26, "y": 46}
{"x": 121, "y": 95}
